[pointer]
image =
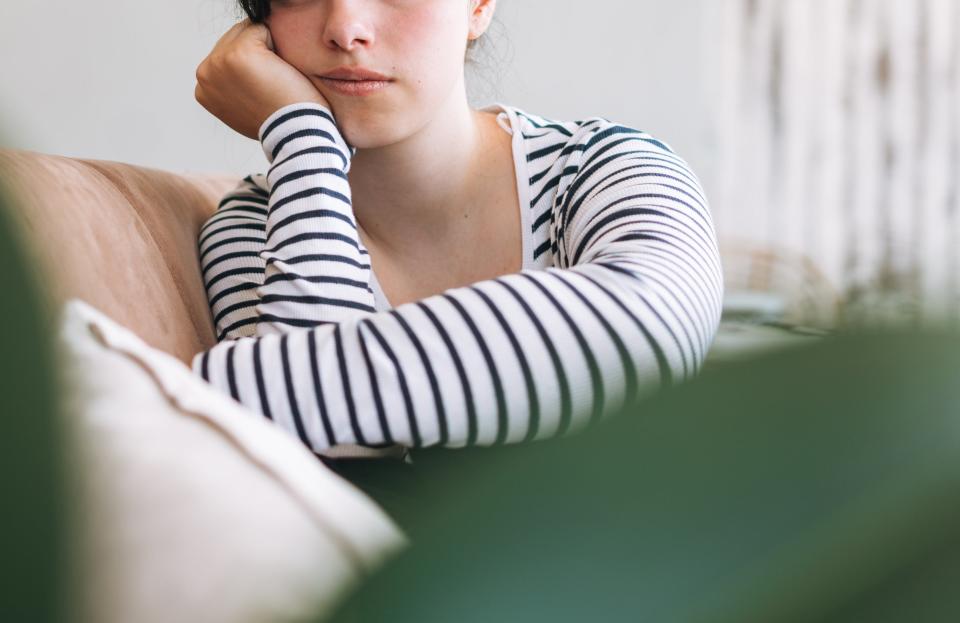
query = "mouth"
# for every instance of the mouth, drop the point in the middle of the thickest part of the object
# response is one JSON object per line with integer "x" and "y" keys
{"x": 355, "y": 87}
{"x": 355, "y": 80}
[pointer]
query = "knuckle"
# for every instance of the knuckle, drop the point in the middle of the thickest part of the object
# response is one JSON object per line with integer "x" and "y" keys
{"x": 233, "y": 57}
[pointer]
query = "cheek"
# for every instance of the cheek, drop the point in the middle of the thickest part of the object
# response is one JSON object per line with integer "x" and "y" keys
{"x": 429, "y": 42}
{"x": 293, "y": 40}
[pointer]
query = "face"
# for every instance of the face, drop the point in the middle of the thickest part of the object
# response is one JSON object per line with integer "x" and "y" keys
{"x": 418, "y": 44}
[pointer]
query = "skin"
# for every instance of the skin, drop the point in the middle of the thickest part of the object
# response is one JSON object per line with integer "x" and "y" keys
{"x": 434, "y": 191}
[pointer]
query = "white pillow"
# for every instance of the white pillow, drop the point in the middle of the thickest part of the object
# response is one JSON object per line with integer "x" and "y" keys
{"x": 190, "y": 507}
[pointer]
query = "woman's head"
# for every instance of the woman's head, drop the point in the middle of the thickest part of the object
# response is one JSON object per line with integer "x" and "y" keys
{"x": 420, "y": 45}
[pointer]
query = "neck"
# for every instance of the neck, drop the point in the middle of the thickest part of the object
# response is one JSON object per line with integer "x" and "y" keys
{"x": 418, "y": 190}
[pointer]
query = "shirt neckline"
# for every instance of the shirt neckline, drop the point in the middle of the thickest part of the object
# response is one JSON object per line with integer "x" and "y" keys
{"x": 523, "y": 185}
{"x": 523, "y": 193}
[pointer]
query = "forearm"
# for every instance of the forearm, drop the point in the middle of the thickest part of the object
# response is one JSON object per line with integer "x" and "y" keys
{"x": 317, "y": 270}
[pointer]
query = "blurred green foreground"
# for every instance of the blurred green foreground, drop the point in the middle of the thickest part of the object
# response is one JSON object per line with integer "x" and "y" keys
{"x": 816, "y": 484}
{"x": 32, "y": 541}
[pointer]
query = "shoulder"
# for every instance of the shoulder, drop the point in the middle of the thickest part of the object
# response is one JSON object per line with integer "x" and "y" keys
{"x": 579, "y": 139}
{"x": 252, "y": 189}
{"x": 247, "y": 200}
{"x": 569, "y": 154}
{"x": 252, "y": 186}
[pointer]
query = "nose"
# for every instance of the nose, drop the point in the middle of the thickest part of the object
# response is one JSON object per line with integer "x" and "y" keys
{"x": 348, "y": 25}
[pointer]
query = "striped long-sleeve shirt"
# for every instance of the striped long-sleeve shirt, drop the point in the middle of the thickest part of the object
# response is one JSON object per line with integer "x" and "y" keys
{"x": 620, "y": 293}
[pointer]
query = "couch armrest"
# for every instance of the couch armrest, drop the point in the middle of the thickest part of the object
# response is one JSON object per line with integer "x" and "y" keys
{"x": 121, "y": 237}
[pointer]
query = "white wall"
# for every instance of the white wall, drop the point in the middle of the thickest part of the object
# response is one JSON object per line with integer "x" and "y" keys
{"x": 114, "y": 79}
{"x": 644, "y": 63}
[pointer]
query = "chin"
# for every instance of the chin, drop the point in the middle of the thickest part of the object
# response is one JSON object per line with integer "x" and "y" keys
{"x": 370, "y": 131}
{"x": 364, "y": 138}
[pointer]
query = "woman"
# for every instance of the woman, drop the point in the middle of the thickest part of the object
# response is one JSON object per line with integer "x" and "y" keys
{"x": 411, "y": 272}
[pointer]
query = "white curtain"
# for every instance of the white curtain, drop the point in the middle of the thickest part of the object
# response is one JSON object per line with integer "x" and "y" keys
{"x": 838, "y": 145}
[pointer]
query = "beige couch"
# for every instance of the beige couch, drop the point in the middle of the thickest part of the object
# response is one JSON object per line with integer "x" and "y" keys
{"x": 121, "y": 237}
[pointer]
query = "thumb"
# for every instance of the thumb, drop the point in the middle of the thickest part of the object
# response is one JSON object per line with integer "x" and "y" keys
{"x": 256, "y": 33}
{"x": 269, "y": 39}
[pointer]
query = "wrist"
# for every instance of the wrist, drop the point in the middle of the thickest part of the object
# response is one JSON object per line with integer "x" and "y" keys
{"x": 304, "y": 127}
{"x": 274, "y": 118}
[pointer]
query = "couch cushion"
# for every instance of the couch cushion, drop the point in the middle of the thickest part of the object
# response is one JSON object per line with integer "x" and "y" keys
{"x": 190, "y": 507}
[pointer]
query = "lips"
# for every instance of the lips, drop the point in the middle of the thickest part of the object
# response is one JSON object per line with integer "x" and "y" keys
{"x": 355, "y": 74}
{"x": 356, "y": 87}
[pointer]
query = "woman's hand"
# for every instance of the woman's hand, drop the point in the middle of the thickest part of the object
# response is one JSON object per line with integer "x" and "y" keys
{"x": 243, "y": 81}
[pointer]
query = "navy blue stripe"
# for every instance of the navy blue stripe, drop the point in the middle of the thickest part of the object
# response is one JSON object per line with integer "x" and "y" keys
{"x": 533, "y": 400}
{"x": 552, "y": 125}
{"x": 291, "y": 393}
{"x": 566, "y": 403}
{"x": 232, "y": 374}
{"x": 323, "y": 235}
{"x": 261, "y": 382}
{"x": 227, "y": 257}
{"x": 205, "y": 366}
{"x": 347, "y": 391}
{"x": 254, "y": 217}
{"x": 296, "y": 175}
{"x": 254, "y": 187}
{"x": 226, "y": 311}
{"x": 596, "y": 381}
{"x": 471, "y": 407}
{"x": 316, "y": 300}
{"x": 293, "y": 322}
{"x": 543, "y": 248}
{"x": 233, "y": 273}
{"x": 231, "y": 198}
{"x": 289, "y": 138}
{"x": 295, "y": 114}
{"x": 491, "y": 367}
{"x": 227, "y": 241}
{"x": 333, "y": 151}
{"x": 629, "y": 370}
{"x": 303, "y": 194}
{"x": 402, "y": 380}
{"x": 322, "y": 213}
{"x": 321, "y": 257}
{"x": 688, "y": 340}
{"x": 663, "y": 366}
{"x": 431, "y": 376}
{"x": 546, "y": 151}
{"x": 375, "y": 389}
{"x": 228, "y": 331}
{"x": 233, "y": 290}
{"x": 292, "y": 276}
{"x": 318, "y": 389}
{"x": 260, "y": 226}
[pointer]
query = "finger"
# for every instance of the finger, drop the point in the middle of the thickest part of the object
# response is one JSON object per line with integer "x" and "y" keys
{"x": 235, "y": 31}
{"x": 260, "y": 34}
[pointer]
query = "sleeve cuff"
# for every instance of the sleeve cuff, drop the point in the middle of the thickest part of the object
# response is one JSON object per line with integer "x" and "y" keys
{"x": 301, "y": 121}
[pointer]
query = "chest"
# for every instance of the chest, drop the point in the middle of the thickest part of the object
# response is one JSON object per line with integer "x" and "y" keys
{"x": 491, "y": 247}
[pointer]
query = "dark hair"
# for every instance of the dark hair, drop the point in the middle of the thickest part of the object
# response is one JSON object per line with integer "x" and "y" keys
{"x": 256, "y": 10}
